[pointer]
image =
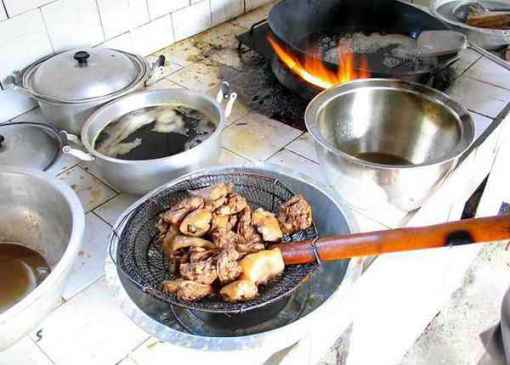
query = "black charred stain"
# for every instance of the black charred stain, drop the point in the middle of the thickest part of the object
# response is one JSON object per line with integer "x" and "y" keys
{"x": 460, "y": 237}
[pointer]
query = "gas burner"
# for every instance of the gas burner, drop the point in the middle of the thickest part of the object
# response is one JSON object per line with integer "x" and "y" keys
{"x": 270, "y": 88}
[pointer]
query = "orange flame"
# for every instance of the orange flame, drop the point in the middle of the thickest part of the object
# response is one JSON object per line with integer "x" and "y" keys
{"x": 313, "y": 70}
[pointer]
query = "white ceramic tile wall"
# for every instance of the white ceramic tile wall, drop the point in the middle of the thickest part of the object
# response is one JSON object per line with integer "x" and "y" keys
{"x": 153, "y": 36}
{"x": 223, "y": 10}
{"x": 73, "y": 23}
{"x": 192, "y": 20}
{"x": 161, "y": 7}
{"x": 15, "y": 7}
{"x": 118, "y": 16}
{"x": 34, "y": 28}
{"x": 23, "y": 39}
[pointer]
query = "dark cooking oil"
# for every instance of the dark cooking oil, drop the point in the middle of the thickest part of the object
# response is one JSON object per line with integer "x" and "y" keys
{"x": 193, "y": 128}
{"x": 21, "y": 270}
{"x": 383, "y": 158}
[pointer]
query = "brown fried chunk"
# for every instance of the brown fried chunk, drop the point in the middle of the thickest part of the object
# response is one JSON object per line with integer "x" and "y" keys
{"x": 202, "y": 271}
{"x": 235, "y": 203}
{"x": 227, "y": 266}
{"x": 262, "y": 266}
{"x": 295, "y": 215}
{"x": 181, "y": 242}
{"x": 187, "y": 290}
{"x": 223, "y": 222}
{"x": 214, "y": 192}
{"x": 267, "y": 225}
{"x": 197, "y": 223}
{"x": 176, "y": 213}
{"x": 245, "y": 227}
{"x": 167, "y": 243}
{"x": 223, "y": 239}
{"x": 245, "y": 248}
{"x": 197, "y": 254}
{"x": 239, "y": 291}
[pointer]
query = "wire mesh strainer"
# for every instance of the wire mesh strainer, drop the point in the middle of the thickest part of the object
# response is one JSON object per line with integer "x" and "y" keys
{"x": 140, "y": 258}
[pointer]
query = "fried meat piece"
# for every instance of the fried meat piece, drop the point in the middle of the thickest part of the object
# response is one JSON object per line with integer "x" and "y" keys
{"x": 234, "y": 204}
{"x": 295, "y": 215}
{"x": 226, "y": 238}
{"x": 223, "y": 223}
{"x": 245, "y": 227}
{"x": 197, "y": 254}
{"x": 227, "y": 266}
{"x": 267, "y": 225}
{"x": 239, "y": 291}
{"x": 176, "y": 213}
{"x": 187, "y": 290}
{"x": 262, "y": 266}
{"x": 197, "y": 223}
{"x": 167, "y": 243}
{"x": 185, "y": 241}
{"x": 214, "y": 192}
{"x": 203, "y": 272}
{"x": 245, "y": 248}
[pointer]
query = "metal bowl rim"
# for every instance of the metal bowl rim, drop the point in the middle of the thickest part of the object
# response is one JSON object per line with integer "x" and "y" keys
{"x": 434, "y": 6}
{"x": 319, "y": 102}
{"x": 172, "y": 93}
{"x": 71, "y": 251}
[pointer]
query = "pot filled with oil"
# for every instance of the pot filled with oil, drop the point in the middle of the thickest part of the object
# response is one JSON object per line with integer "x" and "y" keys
{"x": 41, "y": 229}
{"x": 145, "y": 139}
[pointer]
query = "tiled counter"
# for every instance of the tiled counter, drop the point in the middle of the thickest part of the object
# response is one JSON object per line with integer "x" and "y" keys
{"x": 88, "y": 328}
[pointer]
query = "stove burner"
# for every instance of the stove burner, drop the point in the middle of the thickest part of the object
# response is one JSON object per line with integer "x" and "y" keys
{"x": 265, "y": 85}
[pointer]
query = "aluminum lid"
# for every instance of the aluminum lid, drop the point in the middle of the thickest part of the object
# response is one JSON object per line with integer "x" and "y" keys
{"x": 78, "y": 75}
{"x": 29, "y": 145}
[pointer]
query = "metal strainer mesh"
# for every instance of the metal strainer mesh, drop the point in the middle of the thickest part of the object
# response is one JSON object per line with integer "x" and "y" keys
{"x": 141, "y": 259}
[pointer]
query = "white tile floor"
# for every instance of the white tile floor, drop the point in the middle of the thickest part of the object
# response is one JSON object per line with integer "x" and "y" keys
{"x": 88, "y": 328}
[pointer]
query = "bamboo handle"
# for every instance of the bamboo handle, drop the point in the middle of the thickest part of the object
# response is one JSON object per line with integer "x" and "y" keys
{"x": 479, "y": 230}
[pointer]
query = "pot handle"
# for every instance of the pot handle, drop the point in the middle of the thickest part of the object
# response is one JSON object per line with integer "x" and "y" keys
{"x": 13, "y": 81}
{"x": 157, "y": 67}
{"x": 75, "y": 152}
{"x": 225, "y": 93}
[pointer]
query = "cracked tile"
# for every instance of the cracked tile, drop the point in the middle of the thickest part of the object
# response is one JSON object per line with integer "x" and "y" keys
{"x": 230, "y": 158}
{"x": 304, "y": 146}
{"x": 298, "y": 163}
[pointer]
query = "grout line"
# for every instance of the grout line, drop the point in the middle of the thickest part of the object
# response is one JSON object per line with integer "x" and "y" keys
{"x": 301, "y": 155}
{"x": 41, "y": 349}
{"x": 87, "y": 170}
{"x": 101, "y": 218}
{"x": 100, "y": 20}
{"x": 5, "y": 9}
{"x": 104, "y": 203}
{"x": 72, "y": 297}
{"x": 47, "y": 29}
{"x": 238, "y": 155}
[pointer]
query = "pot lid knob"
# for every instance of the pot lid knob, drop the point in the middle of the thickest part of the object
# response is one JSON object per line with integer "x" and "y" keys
{"x": 81, "y": 57}
{"x": 2, "y": 139}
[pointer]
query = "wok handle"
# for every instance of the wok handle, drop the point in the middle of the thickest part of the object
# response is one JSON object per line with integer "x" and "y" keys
{"x": 478, "y": 230}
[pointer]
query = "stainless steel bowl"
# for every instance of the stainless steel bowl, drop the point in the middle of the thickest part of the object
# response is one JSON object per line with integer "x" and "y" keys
{"x": 43, "y": 214}
{"x": 139, "y": 177}
{"x": 485, "y": 38}
{"x": 420, "y": 131}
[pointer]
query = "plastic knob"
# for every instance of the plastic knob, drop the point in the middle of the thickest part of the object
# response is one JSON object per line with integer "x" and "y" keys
{"x": 81, "y": 57}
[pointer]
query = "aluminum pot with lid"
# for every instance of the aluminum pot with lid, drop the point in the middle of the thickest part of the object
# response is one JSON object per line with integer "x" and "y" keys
{"x": 36, "y": 145}
{"x": 70, "y": 85}
{"x": 142, "y": 176}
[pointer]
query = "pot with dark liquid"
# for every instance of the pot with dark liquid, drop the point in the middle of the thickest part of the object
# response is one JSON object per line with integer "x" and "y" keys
{"x": 41, "y": 228}
{"x": 384, "y": 141}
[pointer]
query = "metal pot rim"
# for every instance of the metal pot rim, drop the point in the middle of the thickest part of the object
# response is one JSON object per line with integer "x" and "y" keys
{"x": 26, "y": 73}
{"x": 434, "y": 5}
{"x": 321, "y": 100}
{"x": 90, "y": 148}
{"x": 78, "y": 229}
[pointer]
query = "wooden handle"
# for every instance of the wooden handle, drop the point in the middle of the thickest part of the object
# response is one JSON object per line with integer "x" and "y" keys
{"x": 479, "y": 230}
{"x": 490, "y": 20}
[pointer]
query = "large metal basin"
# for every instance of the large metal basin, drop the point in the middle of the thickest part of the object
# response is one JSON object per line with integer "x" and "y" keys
{"x": 408, "y": 121}
{"x": 45, "y": 215}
